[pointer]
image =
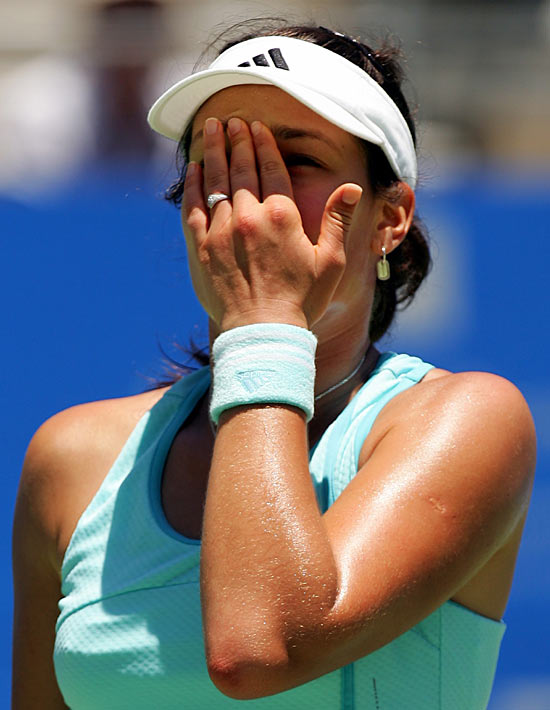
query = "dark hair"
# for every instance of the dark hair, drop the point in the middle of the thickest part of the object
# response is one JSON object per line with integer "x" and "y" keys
{"x": 411, "y": 261}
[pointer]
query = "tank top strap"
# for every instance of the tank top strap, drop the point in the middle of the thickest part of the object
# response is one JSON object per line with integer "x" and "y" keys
{"x": 129, "y": 486}
{"x": 393, "y": 374}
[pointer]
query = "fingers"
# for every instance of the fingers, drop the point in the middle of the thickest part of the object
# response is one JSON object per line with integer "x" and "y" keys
{"x": 193, "y": 206}
{"x": 241, "y": 174}
{"x": 256, "y": 169}
{"x": 242, "y": 165}
{"x": 256, "y": 166}
{"x": 216, "y": 174}
{"x": 337, "y": 219}
{"x": 274, "y": 177}
{"x": 212, "y": 179}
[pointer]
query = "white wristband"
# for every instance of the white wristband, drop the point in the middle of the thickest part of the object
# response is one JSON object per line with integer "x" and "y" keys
{"x": 262, "y": 363}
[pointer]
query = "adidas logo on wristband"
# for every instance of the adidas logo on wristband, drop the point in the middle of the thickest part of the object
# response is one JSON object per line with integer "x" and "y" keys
{"x": 252, "y": 380}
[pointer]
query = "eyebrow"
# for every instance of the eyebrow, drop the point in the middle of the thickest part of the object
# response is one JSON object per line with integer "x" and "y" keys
{"x": 282, "y": 132}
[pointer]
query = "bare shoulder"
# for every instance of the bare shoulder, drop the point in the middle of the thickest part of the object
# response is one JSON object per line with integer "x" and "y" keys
{"x": 86, "y": 435}
{"x": 479, "y": 420}
{"x": 94, "y": 427}
{"x": 490, "y": 399}
{"x": 456, "y": 453}
{"x": 67, "y": 459}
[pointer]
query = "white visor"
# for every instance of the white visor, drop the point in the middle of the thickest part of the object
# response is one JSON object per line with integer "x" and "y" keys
{"x": 322, "y": 80}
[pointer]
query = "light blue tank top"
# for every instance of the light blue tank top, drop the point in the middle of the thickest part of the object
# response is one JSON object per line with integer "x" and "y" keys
{"x": 129, "y": 632}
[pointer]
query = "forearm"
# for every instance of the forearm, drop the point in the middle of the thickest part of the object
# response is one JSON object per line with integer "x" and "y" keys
{"x": 267, "y": 573}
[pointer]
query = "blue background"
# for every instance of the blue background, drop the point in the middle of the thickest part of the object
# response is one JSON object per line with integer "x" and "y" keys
{"x": 94, "y": 281}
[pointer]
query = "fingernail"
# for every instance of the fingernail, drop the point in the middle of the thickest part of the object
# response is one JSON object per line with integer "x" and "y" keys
{"x": 191, "y": 169}
{"x": 211, "y": 126}
{"x": 255, "y": 127}
{"x": 351, "y": 196}
{"x": 234, "y": 126}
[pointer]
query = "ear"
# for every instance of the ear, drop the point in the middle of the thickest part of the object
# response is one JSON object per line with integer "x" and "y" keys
{"x": 394, "y": 219}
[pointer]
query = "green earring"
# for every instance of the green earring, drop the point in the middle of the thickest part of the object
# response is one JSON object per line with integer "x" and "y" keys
{"x": 383, "y": 267}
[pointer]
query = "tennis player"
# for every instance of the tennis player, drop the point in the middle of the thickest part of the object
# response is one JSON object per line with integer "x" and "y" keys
{"x": 307, "y": 522}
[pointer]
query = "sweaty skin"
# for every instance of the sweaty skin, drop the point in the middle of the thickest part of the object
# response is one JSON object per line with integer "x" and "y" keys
{"x": 289, "y": 594}
{"x": 327, "y": 590}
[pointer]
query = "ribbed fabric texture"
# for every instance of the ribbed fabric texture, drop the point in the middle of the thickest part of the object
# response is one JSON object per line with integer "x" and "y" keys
{"x": 129, "y": 632}
{"x": 263, "y": 363}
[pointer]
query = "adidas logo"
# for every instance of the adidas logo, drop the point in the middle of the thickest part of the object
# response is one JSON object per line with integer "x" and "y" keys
{"x": 251, "y": 380}
{"x": 260, "y": 60}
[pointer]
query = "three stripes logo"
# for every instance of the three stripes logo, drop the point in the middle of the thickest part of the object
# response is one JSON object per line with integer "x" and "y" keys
{"x": 252, "y": 380}
{"x": 260, "y": 60}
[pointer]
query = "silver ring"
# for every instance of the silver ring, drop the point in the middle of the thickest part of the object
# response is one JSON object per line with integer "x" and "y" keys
{"x": 214, "y": 198}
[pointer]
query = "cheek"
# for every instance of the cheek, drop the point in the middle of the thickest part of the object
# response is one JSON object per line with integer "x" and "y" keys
{"x": 311, "y": 204}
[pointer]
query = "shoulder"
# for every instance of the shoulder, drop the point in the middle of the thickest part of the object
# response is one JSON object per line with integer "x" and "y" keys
{"x": 444, "y": 481}
{"x": 463, "y": 394}
{"x": 67, "y": 459}
{"x": 94, "y": 430}
{"x": 473, "y": 395}
{"x": 93, "y": 425}
{"x": 477, "y": 418}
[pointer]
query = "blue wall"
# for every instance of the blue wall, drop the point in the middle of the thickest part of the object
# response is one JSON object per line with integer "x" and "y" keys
{"x": 94, "y": 279}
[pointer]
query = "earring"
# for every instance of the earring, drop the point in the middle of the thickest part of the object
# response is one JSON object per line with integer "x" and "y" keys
{"x": 383, "y": 267}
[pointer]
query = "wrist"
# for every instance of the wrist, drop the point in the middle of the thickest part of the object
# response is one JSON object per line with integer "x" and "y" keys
{"x": 263, "y": 363}
{"x": 256, "y": 315}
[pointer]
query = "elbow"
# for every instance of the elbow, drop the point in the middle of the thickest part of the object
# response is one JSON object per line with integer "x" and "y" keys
{"x": 257, "y": 653}
{"x": 246, "y": 671}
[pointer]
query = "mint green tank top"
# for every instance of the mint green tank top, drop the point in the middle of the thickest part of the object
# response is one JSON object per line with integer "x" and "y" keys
{"x": 129, "y": 632}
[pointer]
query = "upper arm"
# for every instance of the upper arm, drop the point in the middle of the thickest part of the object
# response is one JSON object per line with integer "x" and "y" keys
{"x": 445, "y": 483}
{"x": 439, "y": 495}
{"x": 66, "y": 462}
{"x": 36, "y": 581}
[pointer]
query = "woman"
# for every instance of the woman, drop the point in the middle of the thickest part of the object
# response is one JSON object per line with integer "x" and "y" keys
{"x": 363, "y": 512}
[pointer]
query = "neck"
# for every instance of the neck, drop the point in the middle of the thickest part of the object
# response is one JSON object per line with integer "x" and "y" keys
{"x": 344, "y": 361}
{"x": 341, "y": 383}
{"x": 331, "y": 401}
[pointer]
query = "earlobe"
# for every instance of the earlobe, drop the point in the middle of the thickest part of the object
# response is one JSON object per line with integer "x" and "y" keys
{"x": 395, "y": 219}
